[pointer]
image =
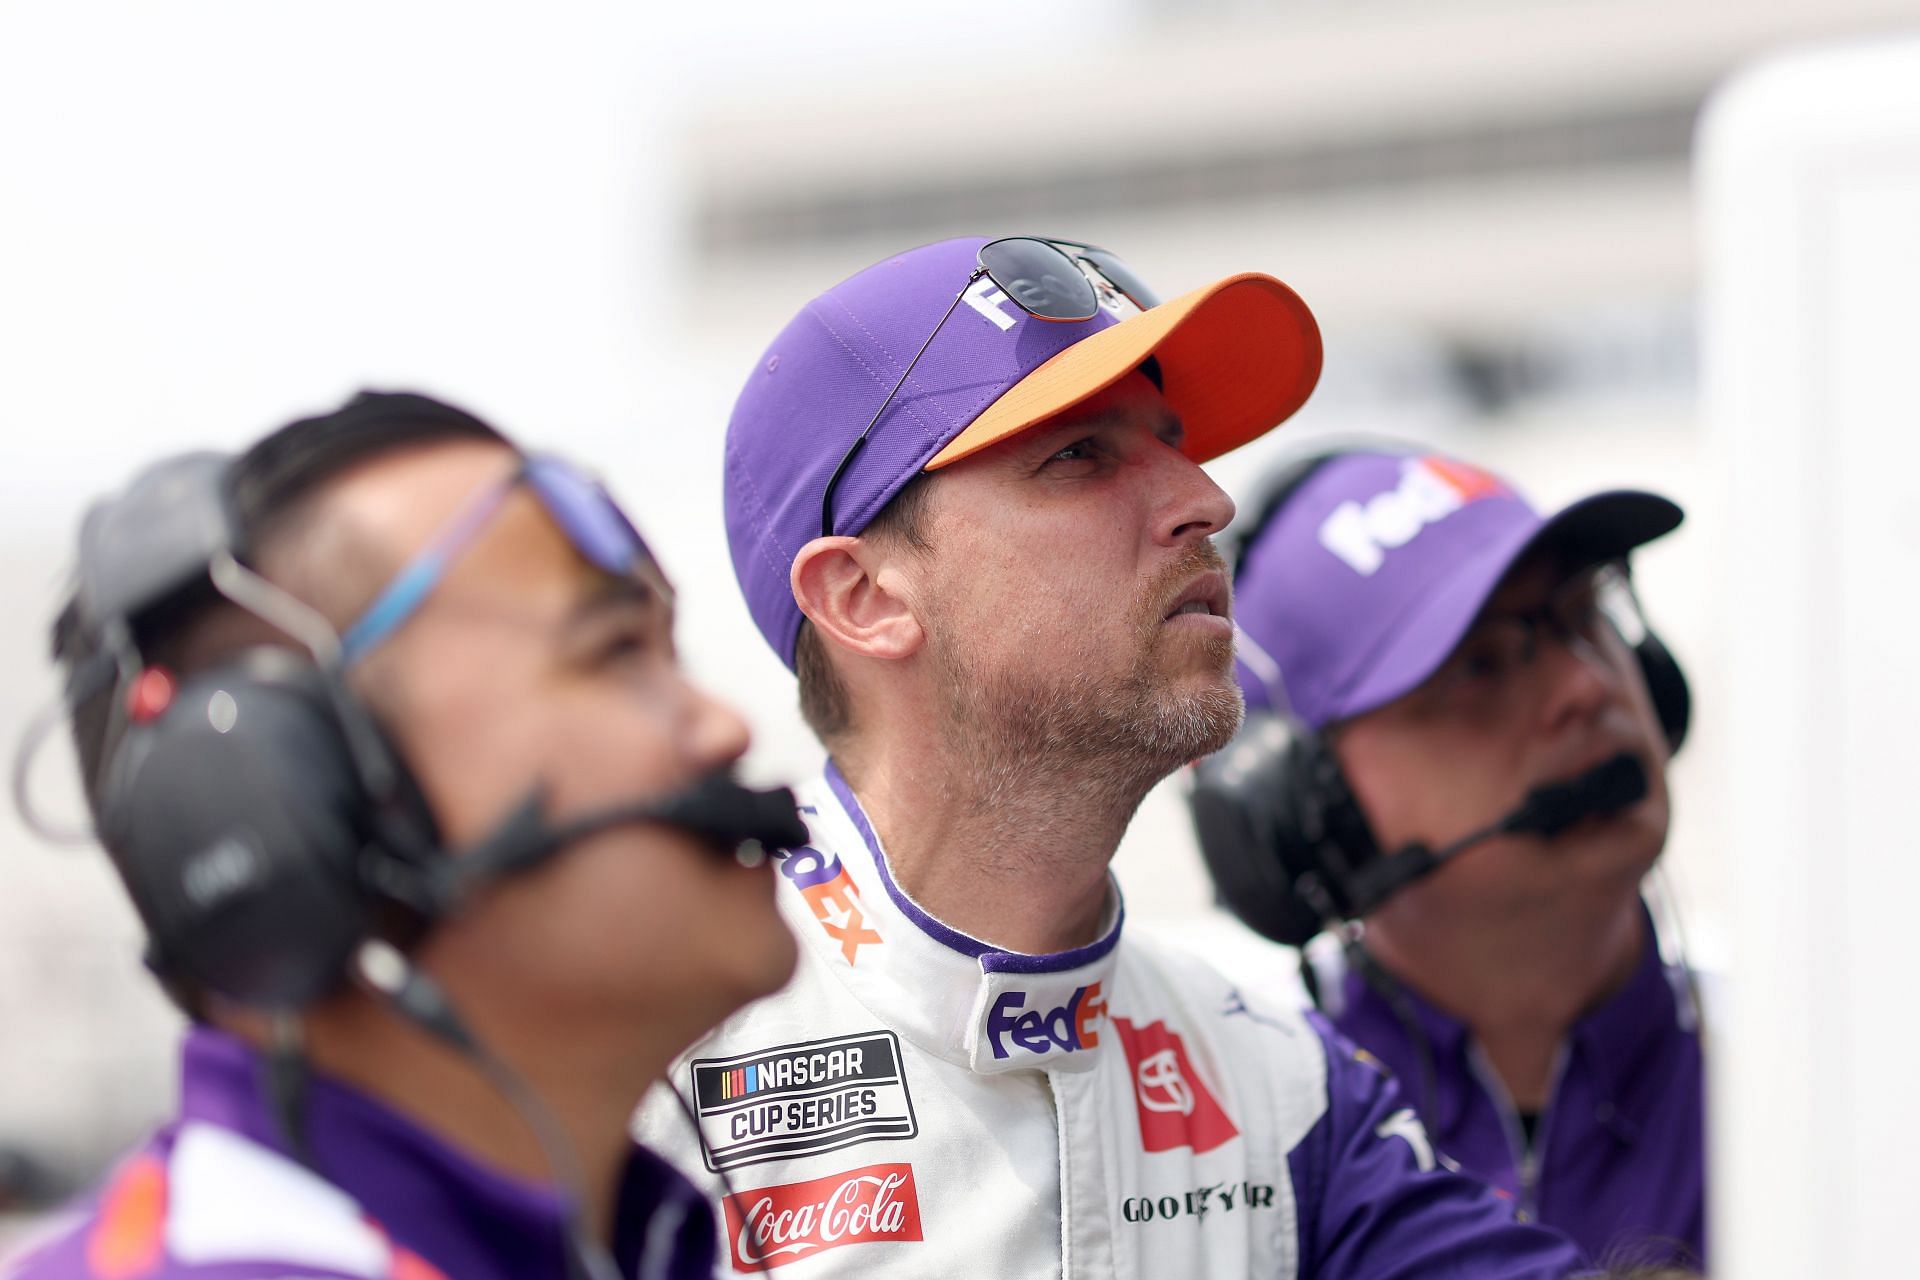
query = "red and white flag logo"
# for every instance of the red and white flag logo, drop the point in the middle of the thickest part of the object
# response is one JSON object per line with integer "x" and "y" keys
{"x": 773, "y": 1226}
{"x": 1176, "y": 1110}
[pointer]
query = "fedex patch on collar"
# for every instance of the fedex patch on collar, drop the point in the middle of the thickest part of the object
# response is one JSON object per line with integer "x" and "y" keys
{"x": 1047, "y": 1020}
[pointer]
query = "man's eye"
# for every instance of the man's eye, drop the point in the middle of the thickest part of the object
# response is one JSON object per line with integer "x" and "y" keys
{"x": 1483, "y": 664}
{"x": 1075, "y": 452}
{"x": 1495, "y": 651}
{"x": 624, "y": 644}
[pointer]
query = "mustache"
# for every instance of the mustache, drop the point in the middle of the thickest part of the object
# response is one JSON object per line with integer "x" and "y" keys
{"x": 1166, "y": 585}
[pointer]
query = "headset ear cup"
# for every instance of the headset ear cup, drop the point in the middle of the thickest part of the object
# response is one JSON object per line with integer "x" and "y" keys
{"x": 1327, "y": 834}
{"x": 238, "y": 820}
{"x": 1667, "y": 686}
{"x": 405, "y": 839}
{"x": 1248, "y": 877}
{"x": 1263, "y": 808}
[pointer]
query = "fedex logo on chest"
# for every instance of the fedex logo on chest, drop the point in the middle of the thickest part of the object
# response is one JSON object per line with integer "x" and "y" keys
{"x": 1430, "y": 489}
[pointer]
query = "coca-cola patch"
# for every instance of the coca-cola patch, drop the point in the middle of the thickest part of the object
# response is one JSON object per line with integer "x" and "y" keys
{"x": 1176, "y": 1109}
{"x": 771, "y": 1226}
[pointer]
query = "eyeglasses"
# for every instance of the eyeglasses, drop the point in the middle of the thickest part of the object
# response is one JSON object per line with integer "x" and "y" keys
{"x": 1595, "y": 614}
{"x": 1059, "y": 280}
{"x": 592, "y": 522}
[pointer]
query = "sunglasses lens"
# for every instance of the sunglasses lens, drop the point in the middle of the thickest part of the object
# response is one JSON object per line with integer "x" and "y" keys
{"x": 585, "y": 512}
{"x": 1040, "y": 278}
{"x": 1122, "y": 278}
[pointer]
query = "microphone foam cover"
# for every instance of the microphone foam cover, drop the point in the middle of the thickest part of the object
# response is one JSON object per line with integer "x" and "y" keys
{"x": 1606, "y": 788}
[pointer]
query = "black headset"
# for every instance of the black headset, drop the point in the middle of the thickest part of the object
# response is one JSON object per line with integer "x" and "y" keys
{"x": 1278, "y": 826}
{"x": 261, "y": 821}
{"x": 265, "y": 827}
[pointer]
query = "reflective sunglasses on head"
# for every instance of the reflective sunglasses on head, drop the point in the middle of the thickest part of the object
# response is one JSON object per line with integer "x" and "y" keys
{"x": 577, "y": 503}
{"x": 1049, "y": 279}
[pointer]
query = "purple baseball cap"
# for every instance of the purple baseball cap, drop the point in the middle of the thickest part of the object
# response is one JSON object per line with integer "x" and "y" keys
{"x": 1372, "y": 571}
{"x": 1236, "y": 358}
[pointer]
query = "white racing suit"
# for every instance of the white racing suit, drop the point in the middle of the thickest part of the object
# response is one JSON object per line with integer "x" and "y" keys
{"x": 918, "y": 1103}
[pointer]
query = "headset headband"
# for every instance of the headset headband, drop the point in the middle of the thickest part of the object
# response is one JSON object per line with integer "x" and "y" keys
{"x": 156, "y": 539}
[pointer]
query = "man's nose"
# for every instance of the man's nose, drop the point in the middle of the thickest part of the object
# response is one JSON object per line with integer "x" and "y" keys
{"x": 716, "y": 734}
{"x": 1192, "y": 506}
{"x": 1581, "y": 674}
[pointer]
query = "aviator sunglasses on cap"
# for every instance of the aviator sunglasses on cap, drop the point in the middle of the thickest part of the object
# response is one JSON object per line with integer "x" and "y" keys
{"x": 1058, "y": 280}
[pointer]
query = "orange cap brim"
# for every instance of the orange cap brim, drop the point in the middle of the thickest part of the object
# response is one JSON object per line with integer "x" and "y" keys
{"x": 1238, "y": 357}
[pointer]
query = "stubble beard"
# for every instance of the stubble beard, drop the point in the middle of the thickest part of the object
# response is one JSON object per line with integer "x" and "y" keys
{"x": 1113, "y": 738}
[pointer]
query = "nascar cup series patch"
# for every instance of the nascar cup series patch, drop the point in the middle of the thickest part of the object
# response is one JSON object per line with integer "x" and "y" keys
{"x": 801, "y": 1099}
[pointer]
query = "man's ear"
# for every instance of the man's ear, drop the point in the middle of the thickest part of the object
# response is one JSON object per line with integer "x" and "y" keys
{"x": 853, "y": 591}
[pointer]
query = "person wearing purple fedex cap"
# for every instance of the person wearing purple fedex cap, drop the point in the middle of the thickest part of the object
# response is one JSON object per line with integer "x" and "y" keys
{"x": 382, "y": 726}
{"x": 1470, "y": 755}
{"x": 964, "y": 503}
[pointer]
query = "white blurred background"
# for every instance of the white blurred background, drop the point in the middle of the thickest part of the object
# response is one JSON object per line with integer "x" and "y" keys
{"x": 583, "y": 221}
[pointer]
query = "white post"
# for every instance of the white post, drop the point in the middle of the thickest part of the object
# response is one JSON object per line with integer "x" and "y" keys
{"x": 1810, "y": 201}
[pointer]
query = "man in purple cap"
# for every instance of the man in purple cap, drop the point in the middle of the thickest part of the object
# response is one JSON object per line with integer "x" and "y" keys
{"x": 382, "y": 726}
{"x": 965, "y": 506}
{"x": 1458, "y": 731}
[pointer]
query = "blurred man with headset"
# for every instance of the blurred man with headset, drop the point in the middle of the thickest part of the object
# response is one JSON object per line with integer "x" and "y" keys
{"x": 382, "y": 725}
{"x": 1459, "y": 726}
{"x": 965, "y": 506}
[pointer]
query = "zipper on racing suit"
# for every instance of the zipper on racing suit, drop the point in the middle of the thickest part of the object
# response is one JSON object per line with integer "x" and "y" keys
{"x": 1066, "y": 1175}
{"x": 1527, "y": 1155}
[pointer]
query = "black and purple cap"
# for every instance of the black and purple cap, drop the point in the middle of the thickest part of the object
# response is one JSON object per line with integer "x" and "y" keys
{"x": 1236, "y": 358}
{"x": 1372, "y": 571}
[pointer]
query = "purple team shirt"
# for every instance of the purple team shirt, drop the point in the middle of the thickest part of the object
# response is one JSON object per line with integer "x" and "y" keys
{"x": 1618, "y": 1157}
{"x": 213, "y": 1197}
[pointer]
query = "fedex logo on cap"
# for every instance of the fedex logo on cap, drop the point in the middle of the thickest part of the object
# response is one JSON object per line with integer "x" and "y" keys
{"x": 987, "y": 297}
{"x": 1069, "y": 1028}
{"x": 984, "y": 296}
{"x": 1430, "y": 489}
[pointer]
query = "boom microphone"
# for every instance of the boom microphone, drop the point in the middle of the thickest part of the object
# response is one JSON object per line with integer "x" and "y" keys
{"x": 1608, "y": 787}
{"x": 739, "y": 821}
{"x": 716, "y": 808}
{"x": 1547, "y": 810}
